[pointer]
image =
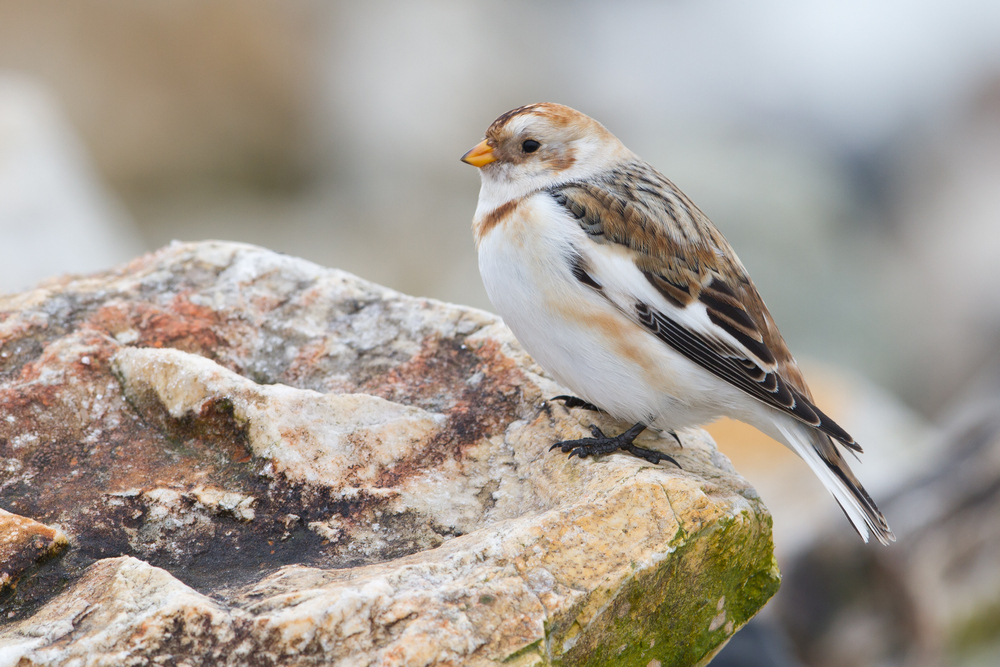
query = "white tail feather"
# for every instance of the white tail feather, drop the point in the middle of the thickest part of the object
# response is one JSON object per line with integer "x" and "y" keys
{"x": 856, "y": 504}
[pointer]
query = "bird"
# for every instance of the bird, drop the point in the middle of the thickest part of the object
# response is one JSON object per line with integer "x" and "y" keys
{"x": 627, "y": 294}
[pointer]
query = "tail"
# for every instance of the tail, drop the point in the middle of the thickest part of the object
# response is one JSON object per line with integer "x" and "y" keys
{"x": 824, "y": 458}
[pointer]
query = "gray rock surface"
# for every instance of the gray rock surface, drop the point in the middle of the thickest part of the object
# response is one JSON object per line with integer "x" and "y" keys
{"x": 261, "y": 461}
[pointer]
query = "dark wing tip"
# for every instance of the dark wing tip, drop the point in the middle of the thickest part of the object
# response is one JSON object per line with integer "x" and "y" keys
{"x": 830, "y": 427}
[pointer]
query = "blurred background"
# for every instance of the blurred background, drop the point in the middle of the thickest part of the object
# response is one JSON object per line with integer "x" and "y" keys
{"x": 849, "y": 151}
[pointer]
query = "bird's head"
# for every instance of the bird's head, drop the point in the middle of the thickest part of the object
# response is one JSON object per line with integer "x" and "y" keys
{"x": 541, "y": 145}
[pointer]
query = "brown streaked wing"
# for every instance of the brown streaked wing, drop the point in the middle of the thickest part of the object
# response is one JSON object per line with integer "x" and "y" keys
{"x": 687, "y": 259}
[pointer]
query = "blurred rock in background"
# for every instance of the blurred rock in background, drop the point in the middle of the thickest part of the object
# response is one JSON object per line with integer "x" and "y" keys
{"x": 178, "y": 95}
{"x": 944, "y": 275}
{"x": 55, "y": 215}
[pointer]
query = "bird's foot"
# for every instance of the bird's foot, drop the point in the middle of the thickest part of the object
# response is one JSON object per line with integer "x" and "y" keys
{"x": 574, "y": 402}
{"x": 602, "y": 444}
{"x": 676, "y": 437}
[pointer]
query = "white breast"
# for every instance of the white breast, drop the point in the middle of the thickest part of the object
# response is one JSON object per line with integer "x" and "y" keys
{"x": 573, "y": 332}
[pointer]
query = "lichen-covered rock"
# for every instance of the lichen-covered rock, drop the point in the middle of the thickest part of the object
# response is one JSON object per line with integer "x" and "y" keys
{"x": 260, "y": 461}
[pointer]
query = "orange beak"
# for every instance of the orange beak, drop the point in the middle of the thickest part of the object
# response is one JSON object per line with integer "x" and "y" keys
{"x": 480, "y": 155}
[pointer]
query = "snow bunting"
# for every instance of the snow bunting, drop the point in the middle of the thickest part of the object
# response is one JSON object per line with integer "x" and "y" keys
{"x": 622, "y": 289}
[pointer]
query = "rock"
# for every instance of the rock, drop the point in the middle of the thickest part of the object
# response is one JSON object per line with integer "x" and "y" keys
{"x": 23, "y": 543}
{"x": 261, "y": 461}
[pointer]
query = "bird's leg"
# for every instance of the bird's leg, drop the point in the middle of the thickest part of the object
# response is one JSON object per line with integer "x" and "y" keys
{"x": 602, "y": 444}
{"x": 574, "y": 402}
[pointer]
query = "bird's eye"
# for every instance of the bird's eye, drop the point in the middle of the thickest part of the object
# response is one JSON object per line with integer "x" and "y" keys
{"x": 530, "y": 146}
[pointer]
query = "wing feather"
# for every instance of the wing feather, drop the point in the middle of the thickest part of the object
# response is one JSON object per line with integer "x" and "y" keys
{"x": 693, "y": 268}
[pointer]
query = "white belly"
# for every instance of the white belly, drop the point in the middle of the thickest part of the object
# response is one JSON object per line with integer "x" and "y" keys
{"x": 580, "y": 338}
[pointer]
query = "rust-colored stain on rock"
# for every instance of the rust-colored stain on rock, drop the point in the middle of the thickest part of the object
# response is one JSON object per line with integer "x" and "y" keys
{"x": 178, "y": 324}
{"x": 475, "y": 385}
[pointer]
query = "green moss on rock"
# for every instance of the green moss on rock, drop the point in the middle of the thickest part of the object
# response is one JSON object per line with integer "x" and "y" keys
{"x": 681, "y": 611}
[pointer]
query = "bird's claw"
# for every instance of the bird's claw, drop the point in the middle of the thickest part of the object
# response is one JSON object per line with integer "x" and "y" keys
{"x": 650, "y": 455}
{"x": 602, "y": 444}
{"x": 584, "y": 447}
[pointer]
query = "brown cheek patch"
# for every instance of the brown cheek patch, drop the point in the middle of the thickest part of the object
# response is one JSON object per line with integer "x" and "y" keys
{"x": 561, "y": 161}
